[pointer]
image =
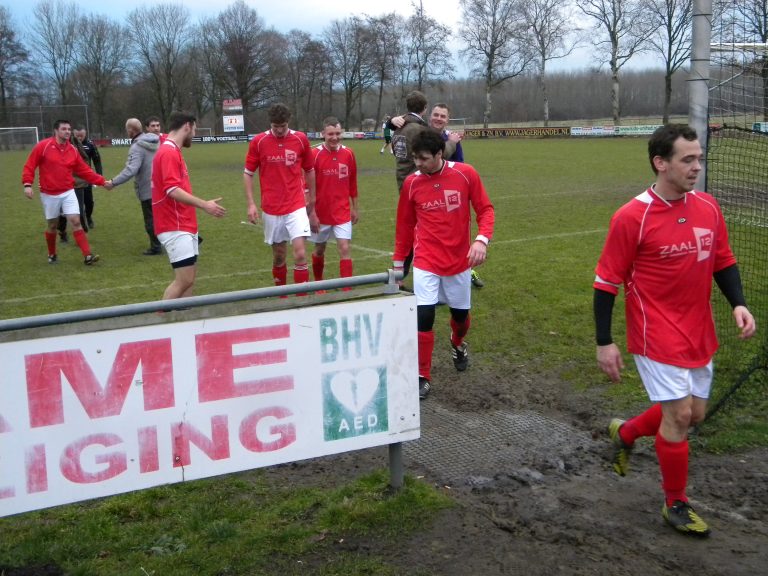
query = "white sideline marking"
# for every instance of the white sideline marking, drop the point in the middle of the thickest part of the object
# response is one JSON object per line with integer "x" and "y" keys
{"x": 375, "y": 253}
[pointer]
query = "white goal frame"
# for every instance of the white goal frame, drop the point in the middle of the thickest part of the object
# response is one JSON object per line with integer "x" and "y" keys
{"x": 20, "y": 128}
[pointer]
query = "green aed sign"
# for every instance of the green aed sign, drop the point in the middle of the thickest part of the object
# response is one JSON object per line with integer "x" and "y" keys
{"x": 355, "y": 402}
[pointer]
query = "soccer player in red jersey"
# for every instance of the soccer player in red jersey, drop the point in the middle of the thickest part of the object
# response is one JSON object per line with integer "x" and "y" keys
{"x": 57, "y": 160}
{"x": 152, "y": 125}
{"x": 434, "y": 218}
{"x": 281, "y": 155}
{"x": 174, "y": 206}
{"x": 336, "y": 202}
{"x": 665, "y": 246}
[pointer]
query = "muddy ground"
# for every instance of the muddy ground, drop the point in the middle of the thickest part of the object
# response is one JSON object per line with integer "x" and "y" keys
{"x": 527, "y": 460}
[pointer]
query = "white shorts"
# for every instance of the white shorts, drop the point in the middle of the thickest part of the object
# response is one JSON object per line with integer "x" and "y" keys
{"x": 56, "y": 204}
{"x": 285, "y": 228}
{"x": 179, "y": 245}
{"x": 339, "y": 231}
{"x": 665, "y": 382}
{"x": 452, "y": 290}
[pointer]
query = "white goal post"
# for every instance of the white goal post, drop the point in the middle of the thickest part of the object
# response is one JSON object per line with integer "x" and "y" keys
{"x": 18, "y": 137}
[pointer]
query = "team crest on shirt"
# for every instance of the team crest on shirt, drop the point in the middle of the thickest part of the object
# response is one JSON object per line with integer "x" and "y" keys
{"x": 290, "y": 157}
{"x": 705, "y": 238}
{"x": 343, "y": 170}
{"x": 452, "y": 200}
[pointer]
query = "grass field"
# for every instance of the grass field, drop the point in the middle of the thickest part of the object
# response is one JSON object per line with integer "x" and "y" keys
{"x": 553, "y": 200}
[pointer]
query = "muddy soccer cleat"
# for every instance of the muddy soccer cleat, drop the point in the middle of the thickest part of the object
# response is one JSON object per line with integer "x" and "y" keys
{"x": 621, "y": 451}
{"x": 476, "y": 280}
{"x": 683, "y": 518}
{"x": 460, "y": 356}
{"x": 424, "y": 387}
{"x": 91, "y": 259}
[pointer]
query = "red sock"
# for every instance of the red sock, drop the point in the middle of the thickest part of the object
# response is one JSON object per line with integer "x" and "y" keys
{"x": 459, "y": 330}
{"x": 300, "y": 276}
{"x": 318, "y": 264}
{"x": 345, "y": 270}
{"x": 50, "y": 239}
{"x": 426, "y": 345}
{"x": 673, "y": 462}
{"x": 280, "y": 275}
{"x": 645, "y": 424}
{"x": 82, "y": 241}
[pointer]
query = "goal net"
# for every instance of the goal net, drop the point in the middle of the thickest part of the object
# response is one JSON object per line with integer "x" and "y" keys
{"x": 737, "y": 176}
{"x": 19, "y": 138}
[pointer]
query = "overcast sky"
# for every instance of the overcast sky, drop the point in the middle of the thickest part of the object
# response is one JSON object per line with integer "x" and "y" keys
{"x": 309, "y": 15}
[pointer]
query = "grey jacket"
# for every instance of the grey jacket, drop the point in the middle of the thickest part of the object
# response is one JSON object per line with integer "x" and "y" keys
{"x": 139, "y": 165}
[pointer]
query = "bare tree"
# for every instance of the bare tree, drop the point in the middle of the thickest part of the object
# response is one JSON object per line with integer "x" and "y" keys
{"x": 497, "y": 43}
{"x": 102, "y": 51}
{"x": 672, "y": 39}
{"x": 209, "y": 71}
{"x": 162, "y": 35}
{"x": 306, "y": 64}
{"x": 251, "y": 53}
{"x": 53, "y": 32}
{"x": 349, "y": 45}
{"x": 387, "y": 36}
{"x": 549, "y": 22}
{"x": 626, "y": 26}
{"x": 13, "y": 61}
{"x": 425, "y": 57}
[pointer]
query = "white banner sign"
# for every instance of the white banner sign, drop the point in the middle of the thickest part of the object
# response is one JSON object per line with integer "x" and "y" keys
{"x": 96, "y": 414}
{"x": 234, "y": 123}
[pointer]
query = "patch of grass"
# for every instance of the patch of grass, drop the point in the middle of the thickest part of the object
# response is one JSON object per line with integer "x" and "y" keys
{"x": 250, "y": 523}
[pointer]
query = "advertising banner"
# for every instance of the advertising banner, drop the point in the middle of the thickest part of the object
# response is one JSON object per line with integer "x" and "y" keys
{"x": 95, "y": 414}
{"x": 234, "y": 123}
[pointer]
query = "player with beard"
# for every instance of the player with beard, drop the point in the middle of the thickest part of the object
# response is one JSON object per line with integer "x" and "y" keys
{"x": 174, "y": 206}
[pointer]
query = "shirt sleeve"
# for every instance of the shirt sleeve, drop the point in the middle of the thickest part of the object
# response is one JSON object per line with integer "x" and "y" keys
{"x": 405, "y": 224}
{"x": 252, "y": 157}
{"x": 618, "y": 253}
{"x": 308, "y": 158}
{"x": 481, "y": 204}
{"x": 723, "y": 254}
{"x": 172, "y": 176}
{"x": 352, "y": 175}
{"x": 28, "y": 172}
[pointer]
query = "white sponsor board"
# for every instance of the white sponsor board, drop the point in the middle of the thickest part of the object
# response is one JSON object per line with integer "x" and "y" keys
{"x": 234, "y": 123}
{"x": 95, "y": 414}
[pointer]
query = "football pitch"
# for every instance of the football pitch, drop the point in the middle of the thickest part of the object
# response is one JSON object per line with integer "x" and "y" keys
{"x": 553, "y": 201}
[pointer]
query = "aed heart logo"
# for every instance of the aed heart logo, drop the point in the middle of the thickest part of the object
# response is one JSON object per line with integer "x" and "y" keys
{"x": 354, "y": 402}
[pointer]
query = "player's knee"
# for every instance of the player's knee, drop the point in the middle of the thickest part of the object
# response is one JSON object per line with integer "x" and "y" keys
{"x": 425, "y": 317}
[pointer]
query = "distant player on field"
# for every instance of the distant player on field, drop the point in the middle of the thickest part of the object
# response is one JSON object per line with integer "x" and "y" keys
{"x": 336, "y": 203}
{"x": 281, "y": 155}
{"x": 434, "y": 218}
{"x": 174, "y": 206}
{"x": 665, "y": 246}
{"x": 57, "y": 159}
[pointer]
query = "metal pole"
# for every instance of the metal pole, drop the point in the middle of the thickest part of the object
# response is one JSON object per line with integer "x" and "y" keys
{"x": 698, "y": 81}
{"x": 396, "y": 473}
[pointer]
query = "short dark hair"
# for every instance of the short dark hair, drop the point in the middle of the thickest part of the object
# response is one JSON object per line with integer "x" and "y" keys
{"x": 151, "y": 119}
{"x": 330, "y": 121}
{"x": 79, "y": 127}
{"x": 279, "y": 113}
{"x": 178, "y": 118}
{"x": 416, "y": 101}
{"x": 442, "y": 105}
{"x": 60, "y": 122}
{"x": 662, "y": 142}
{"x": 428, "y": 141}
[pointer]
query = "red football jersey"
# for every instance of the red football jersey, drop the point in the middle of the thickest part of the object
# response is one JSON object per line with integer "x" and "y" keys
{"x": 280, "y": 162}
{"x": 336, "y": 183}
{"x": 57, "y": 163}
{"x": 665, "y": 253}
{"x": 433, "y": 217}
{"x": 169, "y": 171}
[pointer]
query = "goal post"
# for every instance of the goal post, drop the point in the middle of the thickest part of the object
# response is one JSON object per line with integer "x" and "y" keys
{"x": 18, "y": 137}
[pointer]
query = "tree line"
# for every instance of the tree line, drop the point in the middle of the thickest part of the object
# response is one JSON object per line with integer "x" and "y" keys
{"x": 158, "y": 59}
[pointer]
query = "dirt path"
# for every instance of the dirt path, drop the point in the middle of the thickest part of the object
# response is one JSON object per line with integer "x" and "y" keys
{"x": 527, "y": 461}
